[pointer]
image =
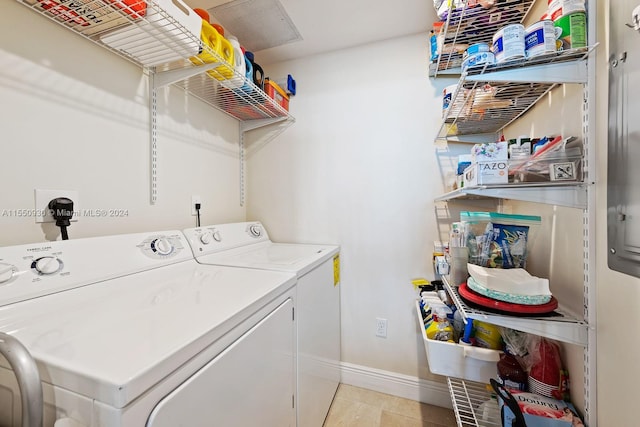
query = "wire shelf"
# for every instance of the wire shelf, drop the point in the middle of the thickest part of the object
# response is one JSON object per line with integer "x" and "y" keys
{"x": 147, "y": 34}
{"x": 474, "y": 24}
{"x": 562, "y": 325}
{"x": 489, "y": 98}
{"x": 473, "y": 404}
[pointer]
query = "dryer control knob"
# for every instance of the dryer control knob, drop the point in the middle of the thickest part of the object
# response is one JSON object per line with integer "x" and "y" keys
{"x": 6, "y": 272}
{"x": 47, "y": 265}
{"x": 162, "y": 246}
{"x": 255, "y": 230}
{"x": 206, "y": 237}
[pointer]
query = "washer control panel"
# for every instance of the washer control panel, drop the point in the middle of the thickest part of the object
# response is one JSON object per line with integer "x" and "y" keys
{"x": 39, "y": 269}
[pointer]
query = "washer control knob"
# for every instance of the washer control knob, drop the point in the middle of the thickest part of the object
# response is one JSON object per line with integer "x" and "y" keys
{"x": 206, "y": 237}
{"x": 6, "y": 272}
{"x": 216, "y": 236}
{"x": 161, "y": 246}
{"x": 47, "y": 265}
{"x": 255, "y": 230}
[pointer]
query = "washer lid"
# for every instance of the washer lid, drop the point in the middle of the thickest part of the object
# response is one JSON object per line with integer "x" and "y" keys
{"x": 297, "y": 258}
{"x": 113, "y": 340}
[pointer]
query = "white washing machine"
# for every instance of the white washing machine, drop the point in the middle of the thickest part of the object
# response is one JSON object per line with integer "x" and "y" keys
{"x": 130, "y": 331}
{"x": 248, "y": 245}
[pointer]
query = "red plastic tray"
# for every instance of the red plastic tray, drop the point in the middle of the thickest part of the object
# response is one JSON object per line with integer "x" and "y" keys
{"x": 506, "y": 307}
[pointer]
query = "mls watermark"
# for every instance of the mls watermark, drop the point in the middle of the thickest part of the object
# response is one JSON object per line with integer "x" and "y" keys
{"x": 91, "y": 213}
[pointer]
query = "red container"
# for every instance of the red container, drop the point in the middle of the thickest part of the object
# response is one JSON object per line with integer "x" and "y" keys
{"x": 134, "y": 8}
{"x": 274, "y": 91}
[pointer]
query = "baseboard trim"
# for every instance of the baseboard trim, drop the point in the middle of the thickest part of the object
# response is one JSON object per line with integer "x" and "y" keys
{"x": 408, "y": 387}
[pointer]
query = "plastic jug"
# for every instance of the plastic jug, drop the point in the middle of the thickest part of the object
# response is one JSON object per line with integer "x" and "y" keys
{"x": 246, "y": 87}
{"x": 258, "y": 73}
{"x": 224, "y": 72}
{"x": 218, "y": 44}
{"x": 238, "y": 64}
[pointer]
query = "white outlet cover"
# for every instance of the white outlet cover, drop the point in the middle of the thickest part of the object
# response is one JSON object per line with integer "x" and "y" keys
{"x": 42, "y": 199}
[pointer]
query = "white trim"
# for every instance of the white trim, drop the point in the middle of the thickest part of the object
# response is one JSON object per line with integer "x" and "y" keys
{"x": 408, "y": 387}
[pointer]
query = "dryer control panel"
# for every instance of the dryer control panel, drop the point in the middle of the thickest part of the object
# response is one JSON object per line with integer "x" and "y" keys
{"x": 222, "y": 237}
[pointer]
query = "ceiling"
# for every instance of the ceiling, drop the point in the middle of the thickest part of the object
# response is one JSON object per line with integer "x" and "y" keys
{"x": 337, "y": 24}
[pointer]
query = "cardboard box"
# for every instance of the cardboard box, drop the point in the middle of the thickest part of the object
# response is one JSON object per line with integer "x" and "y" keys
{"x": 539, "y": 411}
{"x": 91, "y": 17}
{"x": 490, "y": 151}
{"x": 492, "y": 172}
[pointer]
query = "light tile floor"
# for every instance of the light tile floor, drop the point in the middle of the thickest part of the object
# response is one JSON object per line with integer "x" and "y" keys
{"x": 358, "y": 407}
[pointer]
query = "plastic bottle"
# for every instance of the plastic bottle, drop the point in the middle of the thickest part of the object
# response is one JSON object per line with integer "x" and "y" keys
{"x": 238, "y": 64}
{"x": 510, "y": 372}
{"x": 258, "y": 73}
{"x": 458, "y": 326}
{"x": 440, "y": 329}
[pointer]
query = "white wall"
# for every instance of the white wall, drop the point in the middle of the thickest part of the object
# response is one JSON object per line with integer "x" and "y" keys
{"x": 352, "y": 173}
{"x": 76, "y": 117}
{"x": 358, "y": 169}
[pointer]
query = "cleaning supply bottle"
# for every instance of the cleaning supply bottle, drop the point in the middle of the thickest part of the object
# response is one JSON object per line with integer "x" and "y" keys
{"x": 440, "y": 329}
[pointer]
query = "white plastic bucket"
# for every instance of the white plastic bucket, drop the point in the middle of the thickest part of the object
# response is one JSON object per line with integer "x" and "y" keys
{"x": 508, "y": 43}
{"x": 540, "y": 38}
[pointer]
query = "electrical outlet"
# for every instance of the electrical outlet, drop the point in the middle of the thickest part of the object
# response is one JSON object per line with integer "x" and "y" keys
{"x": 194, "y": 200}
{"x": 42, "y": 199}
{"x": 381, "y": 327}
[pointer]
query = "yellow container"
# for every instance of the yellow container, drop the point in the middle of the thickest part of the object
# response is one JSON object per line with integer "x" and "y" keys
{"x": 221, "y": 46}
{"x": 487, "y": 335}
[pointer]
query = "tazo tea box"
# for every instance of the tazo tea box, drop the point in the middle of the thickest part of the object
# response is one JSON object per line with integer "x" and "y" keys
{"x": 492, "y": 172}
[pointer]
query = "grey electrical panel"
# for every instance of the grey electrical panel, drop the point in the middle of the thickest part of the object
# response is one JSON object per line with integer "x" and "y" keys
{"x": 623, "y": 189}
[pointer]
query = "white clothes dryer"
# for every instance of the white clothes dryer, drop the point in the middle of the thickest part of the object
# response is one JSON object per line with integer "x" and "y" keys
{"x": 130, "y": 331}
{"x": 247, "y": 245}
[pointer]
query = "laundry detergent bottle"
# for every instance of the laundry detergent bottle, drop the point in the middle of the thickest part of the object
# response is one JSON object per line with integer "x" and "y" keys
{"x": 239, "y": 65}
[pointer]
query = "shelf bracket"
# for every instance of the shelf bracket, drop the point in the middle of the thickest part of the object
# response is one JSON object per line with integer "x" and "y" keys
{"x": 166, "y": 78}
{"x": 258, "y": 123}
